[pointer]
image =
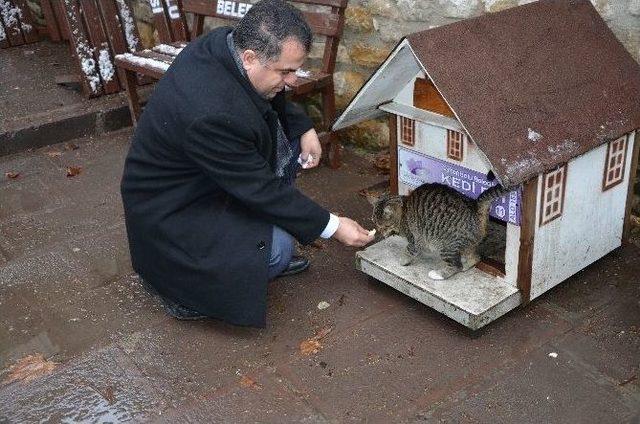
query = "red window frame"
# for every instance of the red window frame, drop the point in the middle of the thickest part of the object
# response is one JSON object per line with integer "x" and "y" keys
{"x": 455, "y": 145}
{"x": 615, "y": 163}
{"x": 407, "y": 131}
{"x": 554, "y": 184}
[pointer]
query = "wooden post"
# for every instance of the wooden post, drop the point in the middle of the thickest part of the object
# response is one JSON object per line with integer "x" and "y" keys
{"x": 527, "y": 235}
{"x": 130, "y": 82}
{"x": 393, "y": 154}
{"x": 626, "y": 229}
{"x": 102, "y": 51}
{"x": 51, "y": 20}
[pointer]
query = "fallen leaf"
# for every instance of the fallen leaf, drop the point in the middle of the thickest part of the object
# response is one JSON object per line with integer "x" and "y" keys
{"x": 12, "y": 175}
{"x": 71, "y": 146}
{"x": 309, "y": 347}
{"x": 72, "y": 171}
{"x": 313, "y": 345}
{"x": 29, "y": 368}
{"x": 249, "y": 383}
{"x": 54, "y": 154}
{"x": 109, "y": 395}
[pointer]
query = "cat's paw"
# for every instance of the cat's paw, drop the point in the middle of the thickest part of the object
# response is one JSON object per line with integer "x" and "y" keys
{"x": 435, "y": 275}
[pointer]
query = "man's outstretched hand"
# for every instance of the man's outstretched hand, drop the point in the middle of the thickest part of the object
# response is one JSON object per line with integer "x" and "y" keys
{"x": 350, "y": 233}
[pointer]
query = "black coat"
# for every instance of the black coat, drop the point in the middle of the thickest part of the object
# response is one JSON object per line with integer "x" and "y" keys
{"x": 199, "y": 191}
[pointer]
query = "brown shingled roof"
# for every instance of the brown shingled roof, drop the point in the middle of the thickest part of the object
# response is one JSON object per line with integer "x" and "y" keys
{"x": 551, "y": 68}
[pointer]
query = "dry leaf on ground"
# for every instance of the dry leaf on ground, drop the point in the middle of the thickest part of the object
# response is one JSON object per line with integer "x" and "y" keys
{"x": 309, "y": 347}
{"x": 249, "y": 383}
{"x": 71, "y": 146}
{"x": 313, "y": 345}
{"x": 29, "y": 368}
{"x": 72, "y": 171}
{"x": 12, "y": 175}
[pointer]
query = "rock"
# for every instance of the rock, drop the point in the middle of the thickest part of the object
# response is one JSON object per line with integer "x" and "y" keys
{"x": 367, "y": 55}
{"x": 383, "y": 8}
{"x": 358, "y": 19}
{"x": 148, "y": 37}
{"x": 142, "y": 11}
{"x": 498, "y": 5}
{"x": 460, "y": 9}
{"x": 370, "y": 135}
{"x": 347, "y": 84}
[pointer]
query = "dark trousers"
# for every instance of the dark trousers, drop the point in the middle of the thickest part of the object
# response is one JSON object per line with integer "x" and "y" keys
{"x": 282, "y": 243}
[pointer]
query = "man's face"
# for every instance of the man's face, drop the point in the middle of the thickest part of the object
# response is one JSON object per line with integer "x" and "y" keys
{"x": 269, "y": 78}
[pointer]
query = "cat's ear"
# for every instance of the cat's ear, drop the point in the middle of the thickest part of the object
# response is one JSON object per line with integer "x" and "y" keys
{"x": 393, "y": 206}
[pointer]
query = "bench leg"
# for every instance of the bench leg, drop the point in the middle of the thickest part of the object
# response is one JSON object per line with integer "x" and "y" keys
{"x": 328, "y": 115}
{"x": 130, "y": 82}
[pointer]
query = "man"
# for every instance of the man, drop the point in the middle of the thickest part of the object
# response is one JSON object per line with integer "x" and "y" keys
{"x": 210, "y": 208}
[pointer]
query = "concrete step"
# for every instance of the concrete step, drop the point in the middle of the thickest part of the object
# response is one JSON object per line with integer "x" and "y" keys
{"x": 472, "y": 298}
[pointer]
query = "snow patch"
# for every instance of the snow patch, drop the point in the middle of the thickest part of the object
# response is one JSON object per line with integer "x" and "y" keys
{"x": 144, "y": 61}
{"x": 516, "y": 169}
{"x": 565, "y": 146}
{"x": 302, "y": 73}
{"x": 106, "y": 66}
{"x": 167, "y": 49}
{"x": 85, "y": 54}
{"x": 129, "y": 25}
{"x": 533, "y": 136}
{"x": 10, "y": 15}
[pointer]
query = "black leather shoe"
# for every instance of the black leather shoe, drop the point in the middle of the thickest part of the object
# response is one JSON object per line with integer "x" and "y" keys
{"x": 296, "y": 266}
{"x": 172, "y": 308}
{"x": 180, "y": 312}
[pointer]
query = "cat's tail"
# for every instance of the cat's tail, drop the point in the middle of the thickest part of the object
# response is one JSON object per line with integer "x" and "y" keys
{"x": 492, "y": 194}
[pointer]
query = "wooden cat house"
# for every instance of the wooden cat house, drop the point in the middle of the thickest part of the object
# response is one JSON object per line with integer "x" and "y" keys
{"x": 541, "y": 98}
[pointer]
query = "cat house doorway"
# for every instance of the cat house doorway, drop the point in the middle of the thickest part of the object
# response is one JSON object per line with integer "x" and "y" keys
{"x": 493, "y": 247}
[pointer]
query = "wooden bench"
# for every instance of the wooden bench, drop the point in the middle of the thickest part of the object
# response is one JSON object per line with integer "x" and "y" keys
{"x": 17, "y": 25}
{"x": 173, "y": 32}
{"x": 97, "y": 30}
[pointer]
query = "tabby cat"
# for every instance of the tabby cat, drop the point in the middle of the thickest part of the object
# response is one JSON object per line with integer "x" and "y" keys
{"x": 437, "y": 218}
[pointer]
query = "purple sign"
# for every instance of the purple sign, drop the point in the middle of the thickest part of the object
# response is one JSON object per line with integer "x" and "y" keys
{"x": 415, "y": 169}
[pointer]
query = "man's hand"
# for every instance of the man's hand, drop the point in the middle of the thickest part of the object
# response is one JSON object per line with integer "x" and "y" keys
{"x": 310, "y": 145}
{"x": 349, "y": 232}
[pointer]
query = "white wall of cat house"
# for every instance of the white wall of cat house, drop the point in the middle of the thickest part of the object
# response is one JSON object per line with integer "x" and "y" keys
{"x": 430, "y": 139}
{"x": 591, "y": 222}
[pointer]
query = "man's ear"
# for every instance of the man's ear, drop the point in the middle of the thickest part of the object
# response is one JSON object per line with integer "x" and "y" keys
{"x": 249, "y": 59}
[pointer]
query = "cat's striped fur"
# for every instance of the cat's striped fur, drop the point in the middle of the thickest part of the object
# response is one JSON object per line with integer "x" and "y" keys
{"x": 437, "y": 218}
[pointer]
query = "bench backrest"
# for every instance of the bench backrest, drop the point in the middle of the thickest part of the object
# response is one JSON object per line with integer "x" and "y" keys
{"x": 170, "y": 20}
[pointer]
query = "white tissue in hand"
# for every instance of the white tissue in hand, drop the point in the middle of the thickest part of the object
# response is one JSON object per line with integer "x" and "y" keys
{"x": 305, "y": 163}
{"x": 372, "y": 232}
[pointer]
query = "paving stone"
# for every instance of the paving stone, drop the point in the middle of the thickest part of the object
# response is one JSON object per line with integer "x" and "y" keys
{"x": 404, "y": 358}
{"x": 263, "y": 398}
{"x": 188, "y": 358}
{"x": 538, "y": 389}
{"x": 103, "y": 386}
{"x": 68, "y": 325}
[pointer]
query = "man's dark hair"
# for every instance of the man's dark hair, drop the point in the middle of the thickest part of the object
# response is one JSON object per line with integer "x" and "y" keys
{"x": 267, "y": 25}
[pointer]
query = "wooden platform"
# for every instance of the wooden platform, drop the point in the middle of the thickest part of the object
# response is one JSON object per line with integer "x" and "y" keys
{"x": 472, "y": 298}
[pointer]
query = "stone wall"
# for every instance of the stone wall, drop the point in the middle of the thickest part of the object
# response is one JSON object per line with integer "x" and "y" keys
{"x": 373, "y": 28}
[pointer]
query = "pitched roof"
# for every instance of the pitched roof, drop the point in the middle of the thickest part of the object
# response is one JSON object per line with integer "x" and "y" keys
{"x": 535, "y": 85}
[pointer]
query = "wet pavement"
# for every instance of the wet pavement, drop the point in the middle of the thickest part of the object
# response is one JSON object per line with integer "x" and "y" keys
{"x": 81, "y": 340}
{"x": 67, "y": 291}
